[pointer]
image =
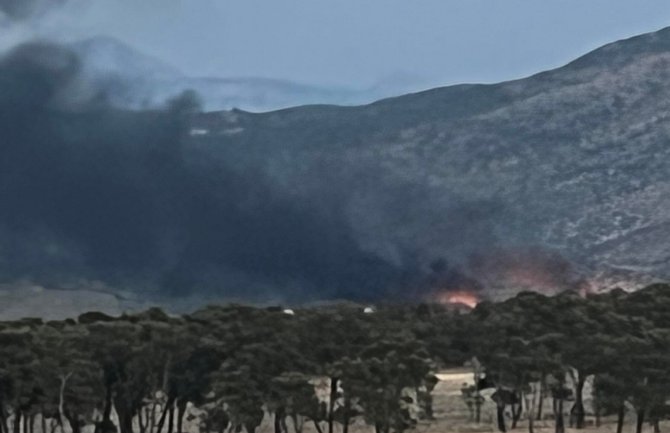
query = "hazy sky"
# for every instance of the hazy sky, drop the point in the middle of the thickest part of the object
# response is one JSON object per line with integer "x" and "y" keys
{"x": 358, "y": 43}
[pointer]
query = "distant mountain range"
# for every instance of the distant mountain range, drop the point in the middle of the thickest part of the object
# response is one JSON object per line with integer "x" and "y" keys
{"x": 141, "y": 81}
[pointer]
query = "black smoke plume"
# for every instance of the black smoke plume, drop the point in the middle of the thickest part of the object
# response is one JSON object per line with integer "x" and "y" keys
{"x": 93, "y": 193}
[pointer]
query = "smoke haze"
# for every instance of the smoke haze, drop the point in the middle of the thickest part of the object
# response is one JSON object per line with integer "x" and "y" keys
{"x": 22, "y": 9}
{"x": 94, "y": 193}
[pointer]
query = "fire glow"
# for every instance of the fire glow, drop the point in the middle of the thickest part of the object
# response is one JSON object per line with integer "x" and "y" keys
{"x": 459, "y": 297}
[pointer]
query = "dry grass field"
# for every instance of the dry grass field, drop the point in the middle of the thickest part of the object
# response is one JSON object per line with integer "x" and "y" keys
{"x": 451, "y": 414}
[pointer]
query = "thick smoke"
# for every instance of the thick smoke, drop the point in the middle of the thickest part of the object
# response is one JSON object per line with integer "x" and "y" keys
{"x": 92, "y": 193}
{"x": 23, "y": 9}
{"x": 529, "y": 268}
{"x": 501, "y": 271}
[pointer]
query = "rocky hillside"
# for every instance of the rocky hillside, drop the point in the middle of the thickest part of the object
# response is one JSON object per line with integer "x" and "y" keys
{"x": 556, "y": 180}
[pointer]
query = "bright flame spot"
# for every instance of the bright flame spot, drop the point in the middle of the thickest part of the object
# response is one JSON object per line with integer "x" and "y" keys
{"x": 460, "y": 297}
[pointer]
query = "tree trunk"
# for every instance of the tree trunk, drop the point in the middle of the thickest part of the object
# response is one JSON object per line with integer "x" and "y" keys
{"x": 331, "y": 404}
{"x": 317, "y": 426}
{"x": 279, "y": 414}
{"x": 298, "y": 422}
{"x": 558, "y": 411}
{"x": 515, "y": 416}
{"x": 657, "y": 426}
{"x": 577, "y": 411}
{"x": 540, "y": 402}
{"x": 501, "y": 417}
{"x": 106, "y": 425}
{"x": 17, "y": 421}
{"x": 621, "y": 414}
{"x": 152, "y": 417}
{"x": 107, "y": 412}
{"x": 61, "y": 396}
{"x": 529, "y": 398}
{"x": 141, "y": 420}
{"x": 74, "y": 425}
{"x": 640, "y": 421}
{"x": 170, "y": 428}
{"x": 478, "y": 399}
{"x": 346, "y": 415}
{"x": 31, "y": 425}
{"x": 43, "y": 422}
{"x": 181, "y": 411}
{"x": 161, "y": 421}
{"x": 125, "y": 420}
{"x": 3, "y": 419}
{"x": 73, "y": 421}
{"x": 517, "y": 410}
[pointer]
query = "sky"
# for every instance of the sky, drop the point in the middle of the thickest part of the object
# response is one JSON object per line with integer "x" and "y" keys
{"x": 355, "y": 43}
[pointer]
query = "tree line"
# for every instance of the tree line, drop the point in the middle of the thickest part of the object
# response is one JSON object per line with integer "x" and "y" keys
{"x": 239, "y": 364}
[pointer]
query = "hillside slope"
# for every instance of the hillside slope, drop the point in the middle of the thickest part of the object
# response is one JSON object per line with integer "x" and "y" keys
{"x": 557, "y": 180}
